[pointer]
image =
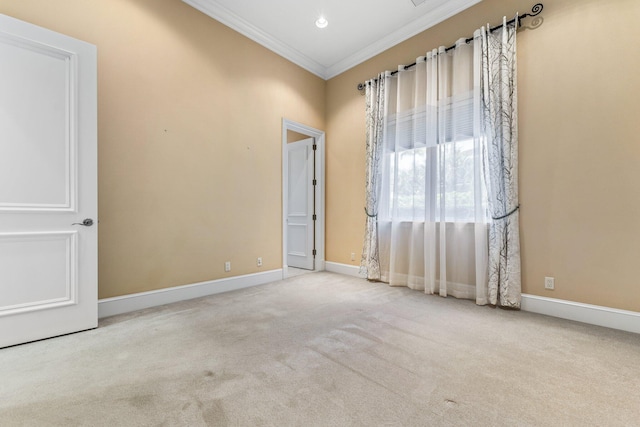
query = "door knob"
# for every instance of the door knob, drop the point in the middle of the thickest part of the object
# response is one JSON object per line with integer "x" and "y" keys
{"x": 88, "y": 222}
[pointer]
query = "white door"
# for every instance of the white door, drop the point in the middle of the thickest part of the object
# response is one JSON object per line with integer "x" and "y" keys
{"x": 48, "y": 181}
{"x": 300, "y": 203}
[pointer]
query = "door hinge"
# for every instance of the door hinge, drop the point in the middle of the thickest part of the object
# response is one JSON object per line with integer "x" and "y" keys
{"x": 314, "y": 217}
{"x": 315, "y": 182}
{"x": 315, "y": 147}
{"x": 314, "y": 252}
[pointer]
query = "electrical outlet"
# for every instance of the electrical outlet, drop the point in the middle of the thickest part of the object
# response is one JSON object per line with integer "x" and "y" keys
{"x": 259, "y": 262}
{"x": 549, "y": 283}
{"x": 353, "y": 256}
{"x": 227, "y": 266}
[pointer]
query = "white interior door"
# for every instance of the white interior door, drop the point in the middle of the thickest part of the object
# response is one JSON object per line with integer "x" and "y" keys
{"x": 48, "y": 181}
{"x": 300, "y": 213}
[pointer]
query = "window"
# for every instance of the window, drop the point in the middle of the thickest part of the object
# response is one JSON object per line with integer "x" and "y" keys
{"x": 429, "y": 172}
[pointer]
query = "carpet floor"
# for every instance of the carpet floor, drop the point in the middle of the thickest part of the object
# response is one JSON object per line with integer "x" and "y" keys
{"x": 323, "y": 349}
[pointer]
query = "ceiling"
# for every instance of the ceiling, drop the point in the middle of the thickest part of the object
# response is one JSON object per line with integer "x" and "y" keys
{"x": 357, "y": 29}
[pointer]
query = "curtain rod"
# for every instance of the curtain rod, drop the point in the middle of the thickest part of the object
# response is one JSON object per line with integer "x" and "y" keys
{"x": 535, "y": 10}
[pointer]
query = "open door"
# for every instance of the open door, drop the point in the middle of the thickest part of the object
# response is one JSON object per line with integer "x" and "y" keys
{"x": 301, "y": 204}
{"x": 303, "y": 198}
{"x": 48, "y": 183}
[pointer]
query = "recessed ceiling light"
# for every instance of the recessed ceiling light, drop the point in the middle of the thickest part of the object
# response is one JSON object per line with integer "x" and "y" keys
{"x": 322, "y": 22}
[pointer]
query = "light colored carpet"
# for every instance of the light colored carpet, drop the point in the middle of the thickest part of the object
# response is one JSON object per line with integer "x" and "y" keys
{"x": 325, "y": 350}
{"x": 297, "y": 272}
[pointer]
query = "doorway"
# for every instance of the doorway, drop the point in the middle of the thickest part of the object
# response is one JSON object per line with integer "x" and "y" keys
{"x": 303, "y": 159}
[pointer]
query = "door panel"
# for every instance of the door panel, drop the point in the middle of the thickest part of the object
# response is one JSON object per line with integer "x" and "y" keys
{"x": 48, "y": 183}
{"x": 37, "y": 271}
{"x": 35, "y": 174}
{"x": 298, "y": 240}
{"x": 300, "y": 204}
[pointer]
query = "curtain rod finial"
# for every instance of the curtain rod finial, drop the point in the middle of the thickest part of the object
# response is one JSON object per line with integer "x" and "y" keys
{"x": 536, "y": 9}
{"x": 360, "y": 86}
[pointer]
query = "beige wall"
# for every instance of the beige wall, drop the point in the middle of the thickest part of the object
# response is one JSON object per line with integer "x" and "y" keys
{"x": 579, "y": 152}
{"x": 190, "y": 139}
{"x": 295, "y": 136}
{"x": 190, "y": 142}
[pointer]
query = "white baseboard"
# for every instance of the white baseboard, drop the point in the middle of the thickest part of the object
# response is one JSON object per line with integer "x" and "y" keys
{"x": 346, "y": 269}
{"x": 593, "y": 314}
{"x": 128, "y": 303}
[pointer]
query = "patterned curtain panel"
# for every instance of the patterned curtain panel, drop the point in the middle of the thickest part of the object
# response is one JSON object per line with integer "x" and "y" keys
{"x": 500, "y": 123}
{"x": 375, "y": 109}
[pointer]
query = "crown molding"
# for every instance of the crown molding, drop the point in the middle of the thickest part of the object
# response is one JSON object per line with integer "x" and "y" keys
{"x": 221, "y": 14}
{"x": 215, "y": 10}
{"x": 439, "y": 14}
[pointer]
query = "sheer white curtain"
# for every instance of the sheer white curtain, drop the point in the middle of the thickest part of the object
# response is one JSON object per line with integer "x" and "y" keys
{"x": 438, "y": 219}
{"x": 432, "y": 213}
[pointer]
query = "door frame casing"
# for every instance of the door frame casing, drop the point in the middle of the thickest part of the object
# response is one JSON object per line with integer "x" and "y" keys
{"x": 319, "y": 137}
